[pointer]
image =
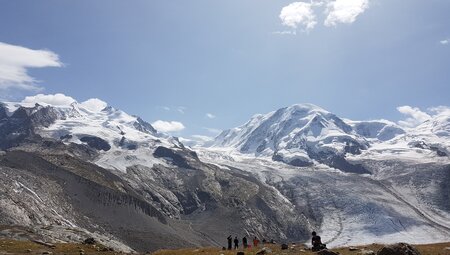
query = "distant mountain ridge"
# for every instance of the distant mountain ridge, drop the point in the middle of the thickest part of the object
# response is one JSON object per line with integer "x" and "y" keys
{"x": 302, "y": 134}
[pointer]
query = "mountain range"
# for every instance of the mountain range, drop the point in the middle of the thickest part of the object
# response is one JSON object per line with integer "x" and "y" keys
{"x": 74, "y": 171}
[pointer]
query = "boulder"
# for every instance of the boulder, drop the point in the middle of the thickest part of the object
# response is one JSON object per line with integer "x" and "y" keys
{"x": 89, "y": 240}
{"x": 240, "y": 253}
{"x": 398, "y": 249}
{"x": 366, "y": 252}
{"x": 264, "y": 251}
{"x": 284, "y": 246}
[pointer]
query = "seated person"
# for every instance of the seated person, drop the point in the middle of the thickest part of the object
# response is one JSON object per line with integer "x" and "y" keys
{"x": 317, "y": 242}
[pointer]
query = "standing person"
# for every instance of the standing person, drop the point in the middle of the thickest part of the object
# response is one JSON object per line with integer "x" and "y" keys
{"x": 236, "y": 243}
{"x": 255, "y": 242}
{"x": 244, "y": 242}
{"x": 230, "y": 240}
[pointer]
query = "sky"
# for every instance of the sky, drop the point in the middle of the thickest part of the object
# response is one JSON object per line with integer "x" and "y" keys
{"x": 196, "y": 67}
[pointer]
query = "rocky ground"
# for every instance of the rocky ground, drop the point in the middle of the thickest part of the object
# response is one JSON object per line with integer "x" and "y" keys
{"x": 275, "y": 249}
{"x": 8, "y": 246}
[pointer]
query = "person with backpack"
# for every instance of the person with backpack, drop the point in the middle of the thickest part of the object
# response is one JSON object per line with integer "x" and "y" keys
{"x": 230, "y": 240}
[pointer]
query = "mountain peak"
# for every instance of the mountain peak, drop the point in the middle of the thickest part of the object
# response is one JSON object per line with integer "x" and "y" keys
{"x": 306, "y": 107}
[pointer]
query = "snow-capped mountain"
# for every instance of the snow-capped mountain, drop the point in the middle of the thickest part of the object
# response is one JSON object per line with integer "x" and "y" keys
{"x": 305, "y": 134}
{"x": 102, "y": 172}
{"x": 114, "y": 134}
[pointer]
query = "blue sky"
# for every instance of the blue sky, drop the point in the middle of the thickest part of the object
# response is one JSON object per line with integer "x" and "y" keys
{"x": 180, "y": 60}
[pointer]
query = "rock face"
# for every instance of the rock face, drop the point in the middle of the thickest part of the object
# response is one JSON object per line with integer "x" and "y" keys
{"x": 145, "y": 208}
{"x": 96, "y": 143}
{"x": 398, "y": 249}
{"x": 144, "y": 126}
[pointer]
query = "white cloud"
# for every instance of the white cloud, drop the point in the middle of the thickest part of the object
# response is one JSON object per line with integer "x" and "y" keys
{"x": 299, "y": 15}
{"x": 445, "y": 41}
{"x": 94, "y": 104}
{"x": 414, "y": 116}
{"x": 56, "y": 99}
{"x": 344, "y": 11}
{"x": 302, "y": 15}
{"x": 168, "y": 126}
{"x": 210, "y": 116}
{"x": 14, "y": 61}
{"x": 440, "y": 110}
{"x": 166, "y": 108}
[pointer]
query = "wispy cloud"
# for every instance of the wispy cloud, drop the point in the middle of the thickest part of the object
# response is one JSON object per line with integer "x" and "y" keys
{"x": 439, "y": 110}
{"x": 210, "y": 116}
{"x": 414, "y": 116}
{"x": 202, "y": 138}
{"x": 213, "y": 131}
{"x": 445, "y": 41}
{"x": 285, "y": 32}
{"x": 344, "y": 11}
{"x": 14, "y": 62}
{"x": 168, "y": 126}
{"x": 181, "y": 109}
{"x": 197, "y": 140}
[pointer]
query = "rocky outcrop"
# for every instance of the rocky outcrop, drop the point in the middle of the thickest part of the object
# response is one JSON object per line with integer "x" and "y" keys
{"x": 96, "y": 143}
{"x": 23, "y": 122}
{"x": 144, "y": 126}
{"x": 398, "y": 249}
{"x": 177, "y": 157}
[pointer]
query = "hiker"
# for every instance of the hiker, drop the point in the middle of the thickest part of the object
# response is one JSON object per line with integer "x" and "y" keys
{"x": 230, "y": 240}
{"x": 264, "y": 241}
{"x": 317, "y": 242}
{"x": 244, "y": 242}
{"x": 255, "y": 242}
{"x": 236, "y": 243}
